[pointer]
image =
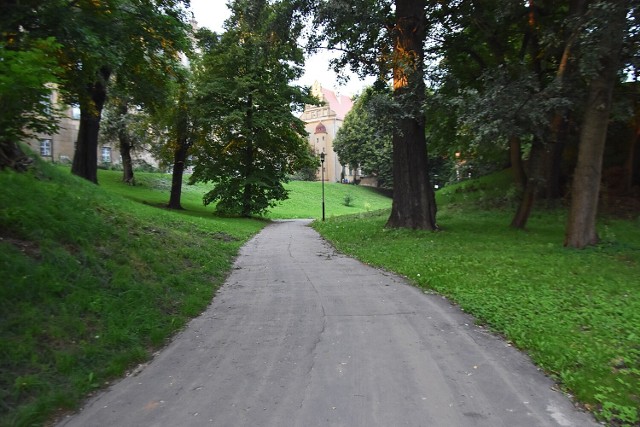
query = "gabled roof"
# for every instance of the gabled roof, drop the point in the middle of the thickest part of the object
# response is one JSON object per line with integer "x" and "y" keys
{"x": 339, "y": 104}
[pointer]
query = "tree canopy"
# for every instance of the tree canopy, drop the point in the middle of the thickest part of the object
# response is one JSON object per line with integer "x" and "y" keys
{"x": 139, "y": 41}
{"x": 364, "y": 140}
{"x": 252, "y": 141}
{"x": 27, "y": 77}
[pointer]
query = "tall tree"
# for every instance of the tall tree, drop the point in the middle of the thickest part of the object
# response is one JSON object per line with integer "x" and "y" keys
{"x": 364, "y": 139}
{"x": 378, "y": 38}
{"x": 100, "y": 39}
{"x": 244, "y": 97}
{"x": 608, "y": 27}
{"x": 182, "y": 132}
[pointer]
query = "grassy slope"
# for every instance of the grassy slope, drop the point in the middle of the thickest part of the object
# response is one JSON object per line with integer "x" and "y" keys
{"x": 93, "y": 282}
{"x": 305, "y": 198}
{"x": 577, "y": 313}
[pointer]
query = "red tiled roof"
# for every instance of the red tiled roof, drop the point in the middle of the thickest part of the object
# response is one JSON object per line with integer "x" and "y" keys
{"x": 340, "y": 104}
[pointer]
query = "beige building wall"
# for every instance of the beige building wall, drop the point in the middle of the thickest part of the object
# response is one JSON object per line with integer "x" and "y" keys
{"x": 60, "y": 147}
{"x": 322, "y": 124}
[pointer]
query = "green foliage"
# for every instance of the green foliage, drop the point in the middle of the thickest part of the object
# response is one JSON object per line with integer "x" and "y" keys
{"x": 577, "y": 313}
{"x": 27, "y": 75}
{"x": 137, "y": 41}
{"x": 93, "y": 284}
{"x": 347, "y": 200}
{"x": 364, "y": 139}
{"x": 244, "y": 95}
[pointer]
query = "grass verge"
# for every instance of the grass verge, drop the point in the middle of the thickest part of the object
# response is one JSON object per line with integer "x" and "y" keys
{"x": 577, "y": 313}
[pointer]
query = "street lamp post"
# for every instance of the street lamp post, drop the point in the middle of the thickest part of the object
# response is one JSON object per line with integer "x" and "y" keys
{"x": 322, "y": 175}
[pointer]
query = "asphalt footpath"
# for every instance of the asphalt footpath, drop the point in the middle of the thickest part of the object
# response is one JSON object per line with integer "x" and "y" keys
{"x": 301, "y": 335}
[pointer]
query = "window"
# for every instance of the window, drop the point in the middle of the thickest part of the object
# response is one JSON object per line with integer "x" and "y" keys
{"x": 45, "y": 147}
{"x": 75, "y": 112}
{"x": 46, "y": 102}
{"x": 106, "y": 154}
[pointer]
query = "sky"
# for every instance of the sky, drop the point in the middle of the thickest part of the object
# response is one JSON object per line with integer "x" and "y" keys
{"x": 212, "y": 14}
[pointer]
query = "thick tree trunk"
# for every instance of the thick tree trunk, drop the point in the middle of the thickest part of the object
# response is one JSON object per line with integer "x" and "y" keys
{"x": 183, "y": 144}
{"x": 581, "y": 228}
{"x": 414, "y": 203}
{"x": 517, "y": 166}
{"x": 179, "y": 159}
{"x": 85, "y": 158}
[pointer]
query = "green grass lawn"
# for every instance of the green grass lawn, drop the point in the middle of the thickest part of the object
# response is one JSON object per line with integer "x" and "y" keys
{"x": 305, "y": 198}
{"x": 577, "y": 313}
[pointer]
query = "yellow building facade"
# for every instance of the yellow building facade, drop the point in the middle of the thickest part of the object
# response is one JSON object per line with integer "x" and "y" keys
{"x": 322, "y": 124}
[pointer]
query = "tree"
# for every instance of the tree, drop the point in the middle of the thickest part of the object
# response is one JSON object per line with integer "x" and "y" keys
{"x": 244, "y": 97}
{"x": 132, "y": 39}
{"x": 508, "y": 77}
{"x": 377, "y": 39}
{"x": 130, "y": 127}
{"x": 182, "y": 132}
{"x": 364, "y": 139}
{"x": 581, "y": 227}
{"x": 27, "y": 75}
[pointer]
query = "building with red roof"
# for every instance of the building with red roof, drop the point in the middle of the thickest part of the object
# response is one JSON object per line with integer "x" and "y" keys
{"x": 322, "y": 124}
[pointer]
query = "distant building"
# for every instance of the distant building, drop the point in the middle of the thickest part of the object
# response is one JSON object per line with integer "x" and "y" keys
{"x": 322, "y": 124}
{"x": 60, "y": 147}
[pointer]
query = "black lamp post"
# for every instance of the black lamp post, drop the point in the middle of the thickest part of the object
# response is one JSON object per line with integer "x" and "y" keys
{"x": 322, "y": 174}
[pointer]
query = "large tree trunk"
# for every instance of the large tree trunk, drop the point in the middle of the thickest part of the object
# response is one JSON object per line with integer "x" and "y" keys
{"x": 179, "y": 159}
{"x": 85, "y": 158}
{"x": 515, "y": 159}
{"x": 581, "y": 228}
{"x": 183, "y": 144}
{"x": 414, "y": 203}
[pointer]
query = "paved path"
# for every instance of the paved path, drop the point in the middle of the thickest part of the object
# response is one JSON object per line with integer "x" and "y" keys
{"x": 303, "y": 336}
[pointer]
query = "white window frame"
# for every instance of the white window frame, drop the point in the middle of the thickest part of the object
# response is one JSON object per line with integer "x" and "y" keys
{"x": 46, "y": 148}
{"x": 75, "y": 111}
{"x": 105, "y": 154}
